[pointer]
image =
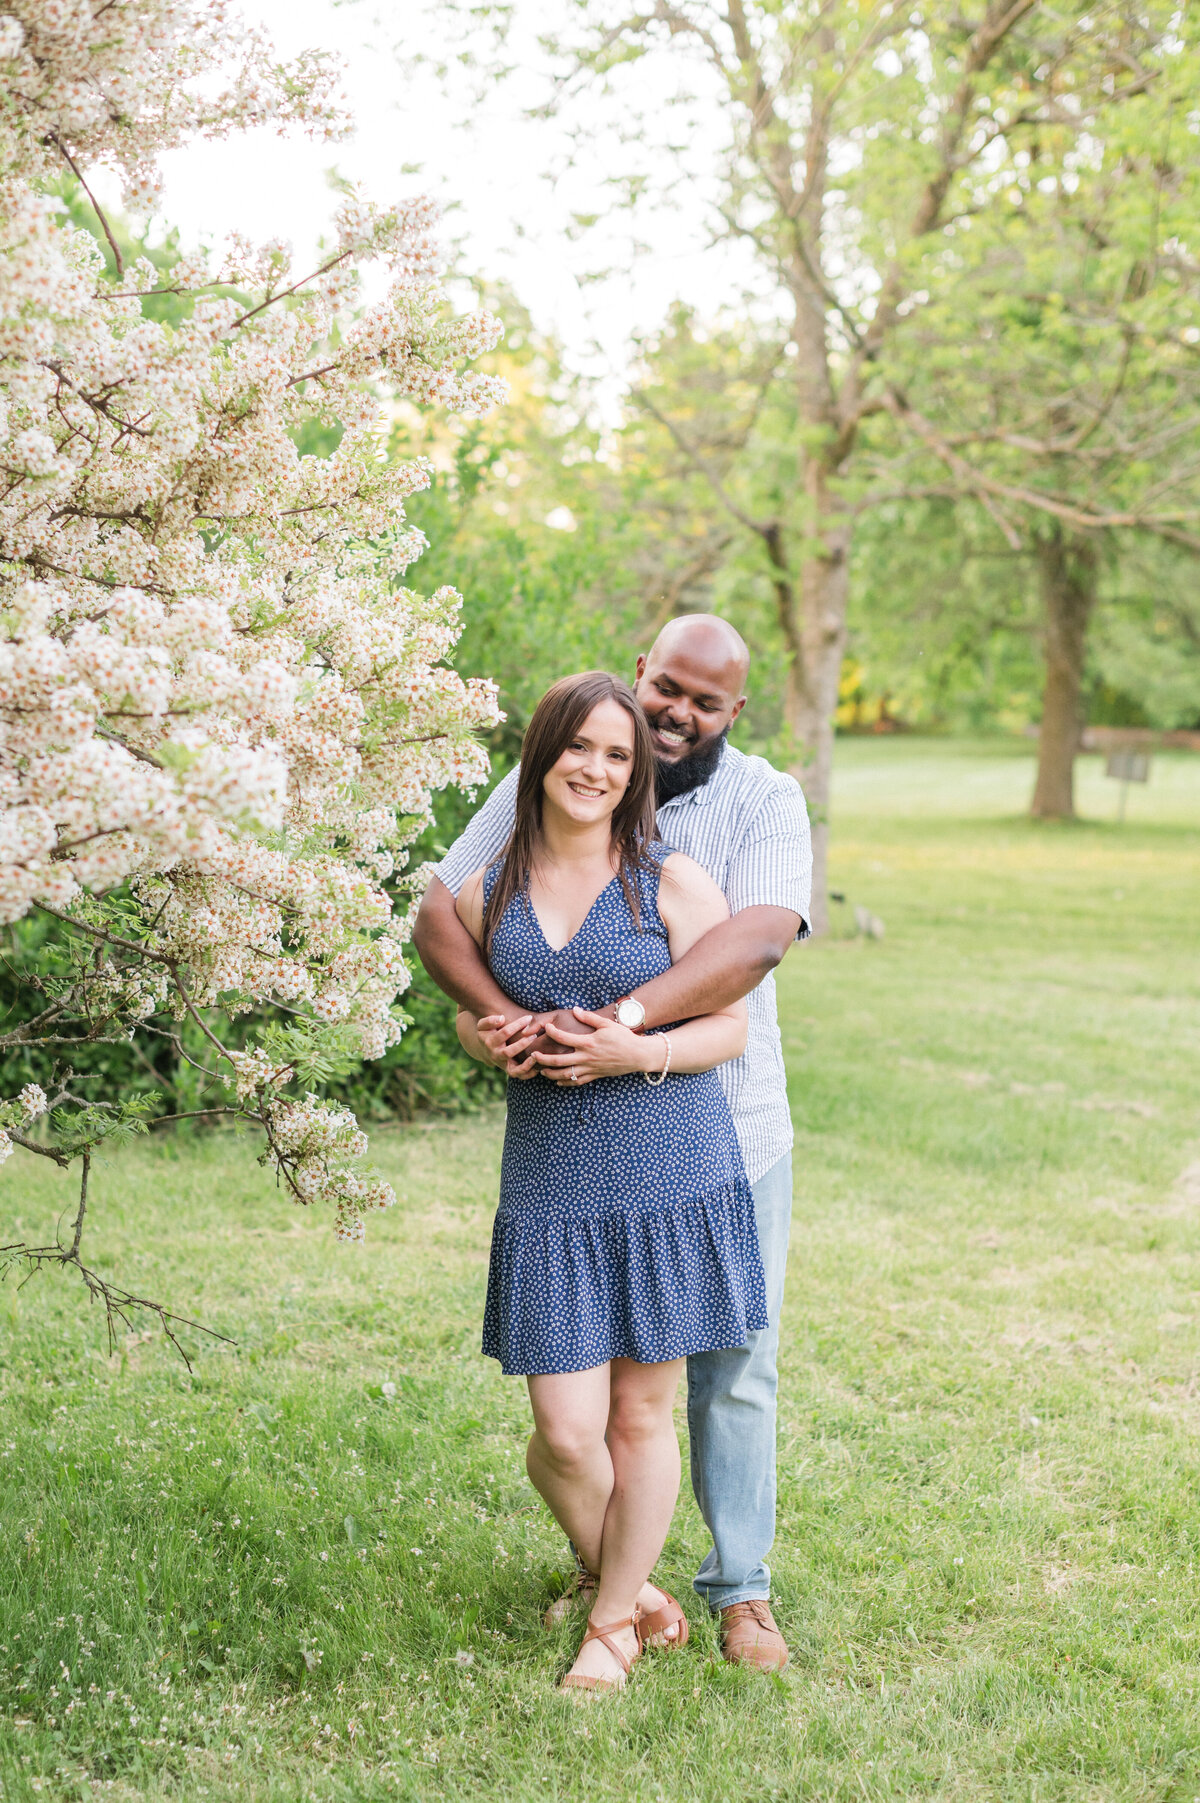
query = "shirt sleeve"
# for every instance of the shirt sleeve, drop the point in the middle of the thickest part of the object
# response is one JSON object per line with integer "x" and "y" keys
{"x": 772, "y": 867}
{"x": 485, "y": 837}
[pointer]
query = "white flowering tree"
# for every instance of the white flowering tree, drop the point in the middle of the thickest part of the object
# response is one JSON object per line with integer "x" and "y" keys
{"x": 222, "y": 714}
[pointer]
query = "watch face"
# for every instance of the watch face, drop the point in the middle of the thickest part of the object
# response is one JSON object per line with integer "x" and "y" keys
{"x": 630, "y": 1013}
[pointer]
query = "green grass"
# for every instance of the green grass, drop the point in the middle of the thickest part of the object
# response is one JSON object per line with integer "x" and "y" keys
{"x": 277, "y": 1580}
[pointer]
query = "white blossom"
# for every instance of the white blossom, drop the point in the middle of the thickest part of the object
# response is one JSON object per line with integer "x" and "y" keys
{"x": 32, "y": 1101}
{"x": 213, "y": 691}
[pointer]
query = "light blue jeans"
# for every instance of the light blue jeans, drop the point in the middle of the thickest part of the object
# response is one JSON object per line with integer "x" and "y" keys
{"x": 731, "y": 1424}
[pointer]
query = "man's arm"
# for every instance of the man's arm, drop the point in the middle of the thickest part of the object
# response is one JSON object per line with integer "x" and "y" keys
{"x": 453, "y": 959}
{"x": 726, "y": 964}
{"x": 768, "y": 887}
{"x": 730, "y": 961}
{"x": 722, "y": 967}
{"x": 444, "y": 945}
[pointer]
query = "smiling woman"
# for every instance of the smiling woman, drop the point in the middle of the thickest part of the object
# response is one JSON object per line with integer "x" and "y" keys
{"x": 625, "y": 1239}
{"x": 595, "y": 764}
{"x": 587, "y": 726}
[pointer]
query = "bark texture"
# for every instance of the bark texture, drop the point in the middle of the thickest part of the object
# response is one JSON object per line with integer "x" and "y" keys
{"x": 812, "y": 612}
{"x": 1068, "y": 570}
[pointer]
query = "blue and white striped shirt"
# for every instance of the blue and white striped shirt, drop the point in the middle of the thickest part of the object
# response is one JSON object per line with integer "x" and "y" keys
{"x": 748, "y": 827}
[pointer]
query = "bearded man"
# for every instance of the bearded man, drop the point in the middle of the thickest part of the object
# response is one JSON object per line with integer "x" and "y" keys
{"x": 746, "y": 824}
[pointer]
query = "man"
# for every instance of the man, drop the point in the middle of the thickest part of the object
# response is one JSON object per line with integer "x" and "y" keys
{"x": 746, "y": 823}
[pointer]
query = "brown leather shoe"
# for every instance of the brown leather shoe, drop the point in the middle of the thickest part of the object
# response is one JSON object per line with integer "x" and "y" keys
{"x": 749, "y": 1636}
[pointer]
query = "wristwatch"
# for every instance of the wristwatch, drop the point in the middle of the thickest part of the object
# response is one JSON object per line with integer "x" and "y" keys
{"x": 631, "y": 1014}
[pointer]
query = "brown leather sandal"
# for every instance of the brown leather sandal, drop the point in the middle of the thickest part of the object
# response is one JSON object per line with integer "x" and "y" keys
{"x": 657, "y": 1621}
{"x": 579, "y": 1680}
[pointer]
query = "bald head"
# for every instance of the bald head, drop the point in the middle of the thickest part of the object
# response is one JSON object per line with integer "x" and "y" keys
{"x": 705, "y": 639}
{"x": 692, "y": 685}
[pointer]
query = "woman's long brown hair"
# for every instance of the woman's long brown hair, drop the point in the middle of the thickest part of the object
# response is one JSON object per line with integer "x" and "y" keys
{"x": 557, "y": 719}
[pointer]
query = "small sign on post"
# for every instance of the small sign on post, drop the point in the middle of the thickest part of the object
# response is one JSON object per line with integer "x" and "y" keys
{"x": 1127, "y": 767}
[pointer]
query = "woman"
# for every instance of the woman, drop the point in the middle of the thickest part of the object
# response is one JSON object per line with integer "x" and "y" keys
{"x": 625, "y": 1235}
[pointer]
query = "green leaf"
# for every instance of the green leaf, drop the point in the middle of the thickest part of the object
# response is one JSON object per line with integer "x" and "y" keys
{"x": 317, "y": 1051}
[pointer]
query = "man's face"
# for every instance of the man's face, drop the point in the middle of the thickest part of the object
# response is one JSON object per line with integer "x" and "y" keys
{"x": 691, "y": 695}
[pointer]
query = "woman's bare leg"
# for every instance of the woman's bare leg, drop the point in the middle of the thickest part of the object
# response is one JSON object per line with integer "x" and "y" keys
{"x": 645, "y": 1464}
{"x": 567, "y": 1459}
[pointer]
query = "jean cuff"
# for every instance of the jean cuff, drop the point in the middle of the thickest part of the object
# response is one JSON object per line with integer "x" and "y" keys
{"x": 735, "y": 1596}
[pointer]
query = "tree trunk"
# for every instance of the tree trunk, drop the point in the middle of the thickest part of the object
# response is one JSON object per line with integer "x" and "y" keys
{"x": 814, "y": 677}
{"x": 1068, "y": 567}
{"x": 815, "y": 630}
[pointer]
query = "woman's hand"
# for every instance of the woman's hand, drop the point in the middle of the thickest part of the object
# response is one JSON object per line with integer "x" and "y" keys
{"x": 610, "y": 1050}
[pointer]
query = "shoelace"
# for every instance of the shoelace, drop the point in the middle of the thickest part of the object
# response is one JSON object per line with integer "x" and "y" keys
{"x": 757, "y": 1611}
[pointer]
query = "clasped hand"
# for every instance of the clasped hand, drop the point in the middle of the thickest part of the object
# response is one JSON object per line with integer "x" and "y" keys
{"x": 609, "y": 1051}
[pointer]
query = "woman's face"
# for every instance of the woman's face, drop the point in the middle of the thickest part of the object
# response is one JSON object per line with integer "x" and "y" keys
{"x": 591, "y": 775}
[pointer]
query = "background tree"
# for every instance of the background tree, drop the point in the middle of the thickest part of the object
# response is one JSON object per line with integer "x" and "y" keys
{"x": 939, "y": 626}
{"x": 1056, "y": 374}
{"x": 854, "y": 141}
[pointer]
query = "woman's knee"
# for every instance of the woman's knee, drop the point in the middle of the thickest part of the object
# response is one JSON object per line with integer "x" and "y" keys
{"x": 635, "y": 1418}
{"x": 569, "y": 1445}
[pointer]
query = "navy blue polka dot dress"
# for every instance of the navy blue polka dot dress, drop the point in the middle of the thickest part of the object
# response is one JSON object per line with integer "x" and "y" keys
{"x": 626, "y": 1224}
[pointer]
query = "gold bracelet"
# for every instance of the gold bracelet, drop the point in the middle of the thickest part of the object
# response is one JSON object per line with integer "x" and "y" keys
{"x": 662, "y": 1075}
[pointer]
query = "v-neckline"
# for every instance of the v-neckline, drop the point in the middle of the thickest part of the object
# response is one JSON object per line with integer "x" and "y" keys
{"x": 557, "y": 950}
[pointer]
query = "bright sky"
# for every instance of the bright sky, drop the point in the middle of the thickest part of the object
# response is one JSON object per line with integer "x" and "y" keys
{"x": 511, "y": 223}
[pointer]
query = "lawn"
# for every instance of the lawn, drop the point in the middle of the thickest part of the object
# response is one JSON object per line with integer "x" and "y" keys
{"x": 313, "y": 1568}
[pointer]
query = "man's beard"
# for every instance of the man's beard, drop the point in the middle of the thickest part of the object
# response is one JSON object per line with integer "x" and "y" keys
{"x": 687, "y": 773}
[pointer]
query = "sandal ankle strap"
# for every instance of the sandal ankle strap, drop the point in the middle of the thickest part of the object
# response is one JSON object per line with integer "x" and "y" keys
{"x": 614, "y": 1627}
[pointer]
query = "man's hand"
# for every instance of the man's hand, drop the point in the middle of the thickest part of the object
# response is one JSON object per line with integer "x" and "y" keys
{"x": 610, "y": 1050}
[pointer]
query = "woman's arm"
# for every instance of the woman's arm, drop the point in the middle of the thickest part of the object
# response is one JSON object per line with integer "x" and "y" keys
{"x": 494, "y": 1039}
{"x": 469, "y": 904}
{"x": 690, "y": 903}
{"x": 468, "y": 1037}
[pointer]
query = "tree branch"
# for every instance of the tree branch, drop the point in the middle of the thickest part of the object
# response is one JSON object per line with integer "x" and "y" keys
{"x": 96, "y": 208}
{"x": 146, "y": 757}
{"x": 700, "y": 463}
{"x": 106, "y": 938}
{"x": 986, "y": 40}
{"x": 83, "y": 1200}
{"x": 31, "y": 1145}
{"x": 313, "y": 276}
{"x": 984, "y": 487}
{"x": 117, "y": 1301}
{"x": 197, "y": 1114}
{"x": 677, "y": 586}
